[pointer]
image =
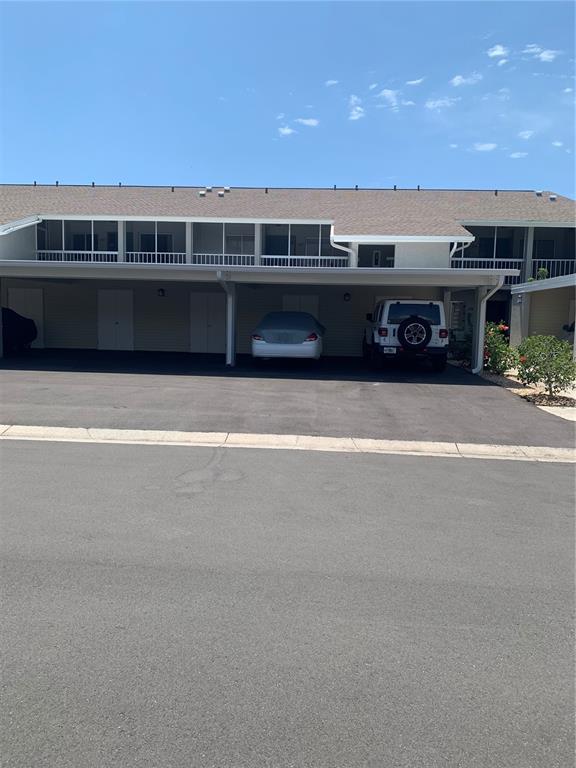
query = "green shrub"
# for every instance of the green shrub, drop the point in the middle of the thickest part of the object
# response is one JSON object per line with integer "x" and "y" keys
{"x": 546, "y": 360}
{"x": 542, "y": 274}
{"x": 498, "y": 355}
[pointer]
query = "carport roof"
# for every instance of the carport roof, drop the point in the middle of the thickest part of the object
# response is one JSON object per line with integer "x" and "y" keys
{"x": 362, "y": 212}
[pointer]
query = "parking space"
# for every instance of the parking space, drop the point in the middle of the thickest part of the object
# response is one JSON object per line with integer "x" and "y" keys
{"x": 335, "y": 397}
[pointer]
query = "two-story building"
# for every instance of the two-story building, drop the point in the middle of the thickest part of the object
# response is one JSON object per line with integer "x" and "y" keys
{"x": 194, "y": 269}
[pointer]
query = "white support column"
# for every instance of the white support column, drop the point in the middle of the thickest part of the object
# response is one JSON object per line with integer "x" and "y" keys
{"x": 519, "y": 318}
{"x": 230, "y": 289}
{"x": 189, "y": 243}
{"x": 478, "y": 328}
{"x": 353, "y": 262}
{"x": 528, "y": 253}
{"x": 121, "y": 241}
{"x": 257, "y": 244}
{"x": 447, "y": 298}
{"x": 1, "y": 324}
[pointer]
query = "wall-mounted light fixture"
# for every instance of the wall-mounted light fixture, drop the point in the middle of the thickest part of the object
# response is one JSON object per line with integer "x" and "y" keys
{"x": 161, "y": 292}
{"x": 347, "y": 296}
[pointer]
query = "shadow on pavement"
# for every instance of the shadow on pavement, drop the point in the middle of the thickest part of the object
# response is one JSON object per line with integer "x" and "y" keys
{"x": 185, "y": 364}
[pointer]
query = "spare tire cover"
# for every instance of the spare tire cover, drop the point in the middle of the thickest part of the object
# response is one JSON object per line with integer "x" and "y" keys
{"x": 414, "y": 333}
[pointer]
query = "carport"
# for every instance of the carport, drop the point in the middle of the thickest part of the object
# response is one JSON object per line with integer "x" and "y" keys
{"x": 345, "y": 295}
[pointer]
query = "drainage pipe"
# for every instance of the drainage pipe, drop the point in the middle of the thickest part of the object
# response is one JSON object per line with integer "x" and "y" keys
{"x": 351, "y": 253}
{"x": 479, "y": 362}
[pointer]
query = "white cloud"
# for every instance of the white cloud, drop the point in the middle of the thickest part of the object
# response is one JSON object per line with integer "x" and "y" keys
{"x": 330, "y": 83}
{"x": 415, "y": 82}
{"x": 442, "y": 103}
{"x": 280, "y": 116}
{"x": 459, "y": 80}
{"x": 390, "y": 97}
{"x": 285, "y": 130}
{"x": 408, "y": 103}
{"x": 526, "y": 134}
{"x": 518, "y": 155}
{"x": 372, "y": 86}
{"x": 497, "y": 51}
{"x": 567, "y": 90}
{"x": 501, "y": 62}
{"x": 557, "y": 143}
{"x": 311, "y": 122}
{"x": 484, "y": 147}
{"x": 453, "y": 146}
{"x": 356, "y": 110}
{"x": 543, "y": 54}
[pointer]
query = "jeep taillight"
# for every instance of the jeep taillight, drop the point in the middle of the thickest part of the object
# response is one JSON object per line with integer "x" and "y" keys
{"x": 311, "y": 337}
{"x": 443, "y": 333}
{"x": 383, "y": 332}
{"x": 257, "y": 337}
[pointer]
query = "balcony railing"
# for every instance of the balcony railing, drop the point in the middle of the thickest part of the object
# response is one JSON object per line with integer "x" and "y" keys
{"x": 459, "y": 263}
{"x": 142, "y": 257}
{"x": 304, "y": 261}
{"x": 223, "y": 259}
{"x": 90, "y": 256}
{"x": 554, "y": 267}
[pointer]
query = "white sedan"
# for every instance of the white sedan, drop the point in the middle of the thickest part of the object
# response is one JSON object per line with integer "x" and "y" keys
{"x": 288, "y": 334}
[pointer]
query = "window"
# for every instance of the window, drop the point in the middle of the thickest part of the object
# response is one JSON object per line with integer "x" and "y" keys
{"x": 208, "y": 238}
{"x": 49, "y": 235}
{"x": 239, "y": 239}
{"x": 304, "y": 240}
{"x": 77, "y": 235}
{"x": 105, "y": 235}
{"x": 397, "y": 313}
{"x": 275, "y": 239}
{"x": 379, "y": 256}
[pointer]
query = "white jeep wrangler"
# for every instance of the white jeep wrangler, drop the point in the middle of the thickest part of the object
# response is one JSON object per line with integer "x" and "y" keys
{"x": 407, "y": 328}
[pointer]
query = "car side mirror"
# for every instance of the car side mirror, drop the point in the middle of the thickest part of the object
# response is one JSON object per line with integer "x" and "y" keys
{"x": 369, "y": 317}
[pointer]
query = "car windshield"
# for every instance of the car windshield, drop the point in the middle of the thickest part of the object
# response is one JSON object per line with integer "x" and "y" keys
{"x": 298, "y": 321}
{"x": 397, "y": 313}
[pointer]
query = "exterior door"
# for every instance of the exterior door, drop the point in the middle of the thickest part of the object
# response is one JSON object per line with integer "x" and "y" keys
{"x": 207, "y": 322}
{"x": 115, "y": 319}
{"x": 29, "y": 302}
{"x": 301, "y": 303}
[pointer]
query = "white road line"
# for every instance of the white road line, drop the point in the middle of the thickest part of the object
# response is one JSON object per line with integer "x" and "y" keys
{"x": 288, "y": 442}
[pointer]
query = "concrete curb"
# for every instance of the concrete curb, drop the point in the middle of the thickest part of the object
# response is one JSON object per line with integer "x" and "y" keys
{"x": 289, "y": 442}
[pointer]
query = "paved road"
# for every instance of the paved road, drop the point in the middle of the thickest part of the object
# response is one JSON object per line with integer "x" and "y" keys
{"x": 336, "y": 399}
{"x": 189, "y": 607}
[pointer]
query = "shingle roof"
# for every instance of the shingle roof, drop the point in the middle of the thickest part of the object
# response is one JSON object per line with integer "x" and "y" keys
{"x": 354, "y": 212}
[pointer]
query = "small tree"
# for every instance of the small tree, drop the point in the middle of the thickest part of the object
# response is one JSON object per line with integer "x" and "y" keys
{"x": 498, "y": 355}
{"x": 546, "y": 360}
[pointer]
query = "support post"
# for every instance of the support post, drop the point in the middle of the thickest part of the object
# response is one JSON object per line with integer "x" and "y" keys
{"x": 528, "y": 254}
{"x": 121, "y": 241}
{"x": 230, "y": 324}
{"x": 1, "y": 323}
{"x": 188, "y": 242}
{"x": 230, "y": 290}
{"x": 257, "y": 244}
{"x": 447, "y": 299}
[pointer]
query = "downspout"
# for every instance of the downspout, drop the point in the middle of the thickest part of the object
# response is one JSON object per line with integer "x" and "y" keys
{"x": 349, "y": 251}
{"x": 463, "y": 248}
{"x": 482, "y": 323}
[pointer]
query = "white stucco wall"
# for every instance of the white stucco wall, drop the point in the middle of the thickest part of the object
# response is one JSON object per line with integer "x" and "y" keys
{"x": 422, "y": 255}
{"x": 18, "y": 245}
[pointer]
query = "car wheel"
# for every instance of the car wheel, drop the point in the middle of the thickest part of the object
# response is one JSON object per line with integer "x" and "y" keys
{"x": 414, "y": 333}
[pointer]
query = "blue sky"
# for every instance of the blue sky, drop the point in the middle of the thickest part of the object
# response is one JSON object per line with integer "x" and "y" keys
{"x": 441, "y": 94}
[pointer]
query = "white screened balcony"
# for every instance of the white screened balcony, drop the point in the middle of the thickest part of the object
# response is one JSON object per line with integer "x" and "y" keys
{"x": 207, "y": 244}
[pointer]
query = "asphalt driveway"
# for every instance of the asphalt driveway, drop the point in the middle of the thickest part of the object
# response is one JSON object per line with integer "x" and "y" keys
{"x": 334, "y": 398}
